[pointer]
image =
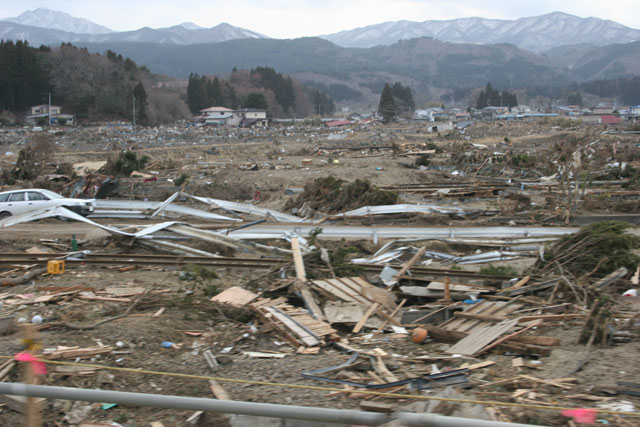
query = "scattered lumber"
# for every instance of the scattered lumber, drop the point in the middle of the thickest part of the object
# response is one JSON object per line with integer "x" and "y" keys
{"x": 235, "y": 296}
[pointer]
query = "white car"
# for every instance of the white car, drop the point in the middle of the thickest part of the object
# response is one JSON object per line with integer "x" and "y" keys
{"x": 17, "y": 202}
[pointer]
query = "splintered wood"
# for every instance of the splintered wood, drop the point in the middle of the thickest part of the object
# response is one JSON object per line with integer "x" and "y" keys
{"x": 357, "y": 296}
{"x": 292, "y": 323}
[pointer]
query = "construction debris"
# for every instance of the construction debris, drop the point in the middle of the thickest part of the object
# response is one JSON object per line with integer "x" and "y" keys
{"x": 468, "y": 277}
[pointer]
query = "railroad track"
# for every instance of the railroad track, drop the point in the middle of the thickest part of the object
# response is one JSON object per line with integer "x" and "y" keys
{"x": 11, "y": 259}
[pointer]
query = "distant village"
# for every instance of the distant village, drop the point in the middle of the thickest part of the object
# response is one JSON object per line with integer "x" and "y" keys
{"x": 440, "y": 119}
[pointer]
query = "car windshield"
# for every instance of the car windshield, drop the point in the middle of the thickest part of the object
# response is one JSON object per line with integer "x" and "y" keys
{"x": 51, "y": 194}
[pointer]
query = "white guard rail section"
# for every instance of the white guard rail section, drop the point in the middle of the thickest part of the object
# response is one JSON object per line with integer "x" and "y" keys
{"x": 305, "y": 413}
{"x": 275, "y": 231}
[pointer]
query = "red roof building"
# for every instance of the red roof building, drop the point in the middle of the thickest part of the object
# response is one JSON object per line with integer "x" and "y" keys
{"x": 610, "y": 120}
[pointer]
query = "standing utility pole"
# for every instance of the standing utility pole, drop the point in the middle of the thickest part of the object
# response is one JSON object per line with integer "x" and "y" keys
{"x": 49, "y": 110}
{"x": 134, "y": 110}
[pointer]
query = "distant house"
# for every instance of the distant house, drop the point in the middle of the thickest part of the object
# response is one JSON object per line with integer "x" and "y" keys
{"x": 635, "y": 110}
{"x": 215, "y": 115}
{"x": 223, "y": 116}
{"x": 337, "y": 123}
{"x": 610, "y": 120}
{"x": 521, "y": 109}
{"x": 41, "y": 111}
{"x": 250, "y": 117}
{"x": 423, "y": 115}
{"x": 603, "y": 109}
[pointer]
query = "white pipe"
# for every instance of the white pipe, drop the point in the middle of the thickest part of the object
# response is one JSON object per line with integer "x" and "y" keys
{"x": 306, "y": 413}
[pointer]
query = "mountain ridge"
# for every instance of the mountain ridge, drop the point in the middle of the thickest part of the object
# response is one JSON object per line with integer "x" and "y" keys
{"x": 537, "y": 33}
{"x": 56, "y": 20}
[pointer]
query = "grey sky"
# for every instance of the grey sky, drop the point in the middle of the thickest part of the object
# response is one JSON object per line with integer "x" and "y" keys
{"x": 297, "y": 18}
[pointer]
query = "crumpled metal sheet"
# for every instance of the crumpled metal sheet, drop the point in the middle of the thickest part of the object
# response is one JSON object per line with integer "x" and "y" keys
{"x": 66, "y": 213}
{"x": 410, "y": 208}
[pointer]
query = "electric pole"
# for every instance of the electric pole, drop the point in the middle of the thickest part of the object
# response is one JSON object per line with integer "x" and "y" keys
{"x": 134, "y": 110}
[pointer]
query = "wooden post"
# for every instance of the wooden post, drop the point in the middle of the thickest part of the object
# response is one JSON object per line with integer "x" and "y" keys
{"x": 34, "y": 417}
{"x": 447, "y": 291}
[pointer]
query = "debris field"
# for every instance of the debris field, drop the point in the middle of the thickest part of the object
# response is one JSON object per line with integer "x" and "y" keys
{"x": 490, "y": 273}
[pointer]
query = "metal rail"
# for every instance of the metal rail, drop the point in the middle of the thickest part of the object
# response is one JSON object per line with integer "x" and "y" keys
{"x": 304, "y": 413}
{"x": 8, "y": 259}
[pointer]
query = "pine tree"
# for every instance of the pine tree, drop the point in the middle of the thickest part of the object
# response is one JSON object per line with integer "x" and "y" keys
{"x": 256, "y": 100}
{"x": 387, "y": 107}
{"x": 141, "y": 104}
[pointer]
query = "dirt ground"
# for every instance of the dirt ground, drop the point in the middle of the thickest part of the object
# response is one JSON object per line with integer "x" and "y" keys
{"x": 218, "y": 164}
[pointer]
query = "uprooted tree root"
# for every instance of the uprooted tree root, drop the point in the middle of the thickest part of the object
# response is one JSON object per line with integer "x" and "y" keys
{"x": 597, "y": 249}
{"x": 333, "y": 195}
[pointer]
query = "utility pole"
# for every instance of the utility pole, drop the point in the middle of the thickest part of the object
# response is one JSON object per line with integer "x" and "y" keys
{"x": 134, "y": 110}
{"x": 49, "y": 110}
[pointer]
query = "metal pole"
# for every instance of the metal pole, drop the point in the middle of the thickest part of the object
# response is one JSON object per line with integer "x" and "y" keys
{"x": 340, "y": 416}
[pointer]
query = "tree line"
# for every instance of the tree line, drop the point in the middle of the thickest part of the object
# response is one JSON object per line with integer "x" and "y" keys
{"x": 262, "y": 88}
{"x": 493, "y": 98}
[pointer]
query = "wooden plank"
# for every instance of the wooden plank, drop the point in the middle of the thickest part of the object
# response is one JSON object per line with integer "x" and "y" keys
{"x": 529, "y": 289}
{"x": 19, "y": 403}
{"x": 610, "y": 278}
{"x": 470, "y": 324}
{"x": 218, "y": 391}
{"x": 503, "y": 339}
{"x": 277, "y": 327}
{"x": 518, "y": 285}
{"x": 536, "y": 340}
{"x": 336, "y": 283}
{"x": 305, "y": 336}
{"x": 311, "y": 303}
{"x": 376, "y": 294}
{"x": 483, "y": 317}
{"x": 235, "y": 296}
{"x": 446, "y": 335}
{"x": 478, "y": 365}
{"x": 406, "y": 266}
{"x": 358, "y": 327}
{"x": 479, "y": 339}
{"x": 297, "y": 260}
{"x": 328, "y": 287}
{"x": 552, "y": 317}
{"x": 393, "y": 313}
{"x": 477, "y": 308}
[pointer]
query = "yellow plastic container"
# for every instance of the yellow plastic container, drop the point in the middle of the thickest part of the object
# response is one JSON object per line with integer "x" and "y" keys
{"x": 55, "y": 266}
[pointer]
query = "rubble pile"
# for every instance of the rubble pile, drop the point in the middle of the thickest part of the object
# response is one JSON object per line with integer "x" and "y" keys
{"x": 344, "y": 274}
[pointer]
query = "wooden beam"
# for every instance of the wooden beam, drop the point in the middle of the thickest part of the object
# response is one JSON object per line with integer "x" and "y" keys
{"x": 297, "y": 260}
{"x": 218, "y": 391}
{"x": 358, "y": 327}
{"x": 393, "y": 313}
{"x": 311, "y": 303}
{"x": 406, "y": 266}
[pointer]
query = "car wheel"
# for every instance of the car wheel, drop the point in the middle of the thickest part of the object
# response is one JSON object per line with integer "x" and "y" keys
{"x": 5, "y": 214}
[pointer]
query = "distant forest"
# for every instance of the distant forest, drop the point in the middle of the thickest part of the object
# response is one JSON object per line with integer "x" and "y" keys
{"x": 87, "y": 85}
{"x": 260, "y": 87}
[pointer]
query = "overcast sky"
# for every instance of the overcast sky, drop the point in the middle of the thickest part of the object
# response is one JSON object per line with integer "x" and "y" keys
{"x": 297, "y": 18}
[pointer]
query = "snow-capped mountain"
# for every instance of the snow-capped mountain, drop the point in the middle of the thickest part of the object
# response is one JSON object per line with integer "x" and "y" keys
{"x": 538, "y": 33}
{"x": 54, "y": 20}
{"x": 44, "y": 26}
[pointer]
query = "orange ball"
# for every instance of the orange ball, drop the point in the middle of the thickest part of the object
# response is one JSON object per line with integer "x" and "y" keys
{"x": 419, "y": 335}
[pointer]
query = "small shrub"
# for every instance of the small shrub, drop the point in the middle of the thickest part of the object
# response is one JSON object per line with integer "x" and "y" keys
{"x": 423, "y": 160}
{"x": 503, "y": 270}
{"x": 181, "y": 180}
{"x": 126, "y": 162}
